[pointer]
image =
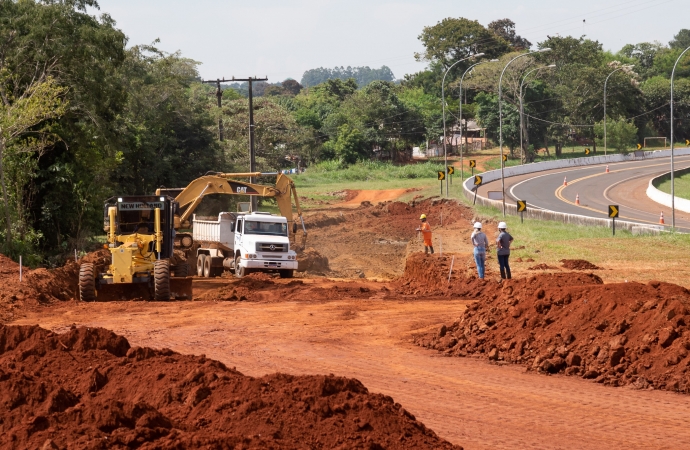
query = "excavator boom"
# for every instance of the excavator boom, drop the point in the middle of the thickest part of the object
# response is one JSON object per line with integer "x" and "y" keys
{"x": 224, "y": 183}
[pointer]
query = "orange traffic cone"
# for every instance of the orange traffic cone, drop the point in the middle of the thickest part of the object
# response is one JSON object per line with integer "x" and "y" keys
{"x": 565, "y": 181}
{"x": 577, "y": 199}
{"x": 607, "y": 168}
{"x": 661, "y": 218}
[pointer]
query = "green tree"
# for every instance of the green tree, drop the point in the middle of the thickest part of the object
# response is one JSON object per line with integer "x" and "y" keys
{"x": 453, "y": 39}
{"x": 349, "y": 145}
{"x": 681, "y": 40}
{"x": 24, "y": 129}
{"x": 621, "y": 134}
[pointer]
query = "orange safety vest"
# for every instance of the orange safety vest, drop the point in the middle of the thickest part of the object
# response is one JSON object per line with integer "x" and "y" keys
{"x": 426, "y": 233}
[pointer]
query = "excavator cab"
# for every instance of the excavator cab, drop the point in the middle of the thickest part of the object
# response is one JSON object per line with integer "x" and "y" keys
{"x": 141, "y": 234}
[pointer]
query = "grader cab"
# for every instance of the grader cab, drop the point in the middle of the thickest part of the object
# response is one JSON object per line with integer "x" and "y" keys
{"x": 141, "y": 234}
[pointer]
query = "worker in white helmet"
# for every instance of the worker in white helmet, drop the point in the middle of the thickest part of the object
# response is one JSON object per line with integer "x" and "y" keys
{"x": 503, "y": 242}
{"x": 425, "y": 228}
{"x": 480, "y": 243}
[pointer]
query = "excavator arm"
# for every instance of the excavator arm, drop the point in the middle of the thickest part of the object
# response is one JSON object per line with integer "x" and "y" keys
{"x": 223, "y": 183}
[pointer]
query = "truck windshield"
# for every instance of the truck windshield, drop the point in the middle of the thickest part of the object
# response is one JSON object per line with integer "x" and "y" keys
{"x": 267, "y": 228}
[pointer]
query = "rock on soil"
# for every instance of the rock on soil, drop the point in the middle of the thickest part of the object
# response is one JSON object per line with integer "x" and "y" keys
{"x": 88, "y": 388}
{"x": 617, "y": 334}
{"x": 578, "y": 264}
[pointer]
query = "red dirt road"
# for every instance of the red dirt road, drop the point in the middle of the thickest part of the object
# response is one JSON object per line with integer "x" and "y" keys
{"x": 465, "y": 400}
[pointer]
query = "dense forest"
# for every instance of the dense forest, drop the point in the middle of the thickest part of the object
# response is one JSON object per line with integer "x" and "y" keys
{"x": 86, "y": 115}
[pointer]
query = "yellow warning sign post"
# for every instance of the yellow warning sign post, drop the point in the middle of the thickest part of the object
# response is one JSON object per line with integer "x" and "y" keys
{"x": 521, "y": 207}
{"x": 441, "y": 177}
{"x": 614, "y": 211}
{"x": 587, "y": 151}
{"x": 451, "y": 171}
{"x": 639, "y": 146}
{"x": 473, "y": 164}
{"x": 477, "y": 183}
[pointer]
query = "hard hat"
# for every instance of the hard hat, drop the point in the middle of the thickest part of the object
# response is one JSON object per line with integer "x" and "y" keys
{"x": 478, "y": 225}
{"x": 502, "y": 225}
{"x": 423, "y": 216}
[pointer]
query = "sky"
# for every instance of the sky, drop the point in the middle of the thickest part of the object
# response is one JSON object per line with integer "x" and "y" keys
{"x": 283, "y": 38}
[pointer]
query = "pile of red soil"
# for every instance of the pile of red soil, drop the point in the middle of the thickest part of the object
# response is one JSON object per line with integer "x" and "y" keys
{"x": 617, "y": 334}
{"x": 89, "y": 389}
{"x": 542, "y": 266}
{"x": 427, "y": 275}
{"x": 578, "y": 264}
{"x": 250, "y": 287}
{"x": 311, "y": 260}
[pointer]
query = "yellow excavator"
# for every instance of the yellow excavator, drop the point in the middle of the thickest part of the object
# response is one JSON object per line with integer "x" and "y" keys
{"x": 190, "y": 197}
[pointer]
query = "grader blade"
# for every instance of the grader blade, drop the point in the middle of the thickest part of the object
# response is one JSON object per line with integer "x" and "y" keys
{"x": 181, "y": 288}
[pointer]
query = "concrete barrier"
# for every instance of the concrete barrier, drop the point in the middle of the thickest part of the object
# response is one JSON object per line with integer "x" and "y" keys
{"x": 544, "y": 214}
{"x": 663, "y": 198}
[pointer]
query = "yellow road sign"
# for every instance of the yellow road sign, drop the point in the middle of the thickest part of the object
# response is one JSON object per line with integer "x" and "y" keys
{"x": 473, "y": 163}
{"x": 451, "y": 170}
{"x": 586, "y": 151}
{"x": 639, "y": 146}
{"x": 477, "y": 180}
{"x": 687, "y": 142}
{"x": 505, "y": 158}
{"x": 441, "y": 175}
{"x": 613, "y": 211}
{"x": 521, "y": 205}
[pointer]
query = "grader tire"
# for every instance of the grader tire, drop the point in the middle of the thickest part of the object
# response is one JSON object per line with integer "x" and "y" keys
{"x": 161, "y": 280}
{"x": 87, "y": 283}
{"x": 181, "y": 270}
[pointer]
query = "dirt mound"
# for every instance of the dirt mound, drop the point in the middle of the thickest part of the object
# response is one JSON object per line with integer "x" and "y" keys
{"x": 618, "y": 334}
{"x": 578, "y": 264}
{"x": 542, "y": 266}
{"x": 311, "y": 260}
{"x": 428, "y": 275}
{"x": 89, "y": 388}
{"x": 374, "y": 239}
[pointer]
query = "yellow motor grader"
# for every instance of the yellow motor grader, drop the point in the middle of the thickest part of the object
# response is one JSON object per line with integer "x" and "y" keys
{"x": 141, "y": 235}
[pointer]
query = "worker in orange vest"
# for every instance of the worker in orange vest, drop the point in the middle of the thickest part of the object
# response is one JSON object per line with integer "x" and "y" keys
{"x": 426, "y": 233}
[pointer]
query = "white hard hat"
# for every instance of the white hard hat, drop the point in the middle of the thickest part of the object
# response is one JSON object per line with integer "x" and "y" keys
{"x": 478, "y": 225}
{"x": 502, "y": 226}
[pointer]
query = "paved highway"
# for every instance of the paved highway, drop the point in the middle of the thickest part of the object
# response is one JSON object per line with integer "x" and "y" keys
{"x": 625, "y": 185}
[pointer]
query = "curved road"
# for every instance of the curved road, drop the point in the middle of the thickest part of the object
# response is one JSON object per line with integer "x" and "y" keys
{"x": 625, "y": 185}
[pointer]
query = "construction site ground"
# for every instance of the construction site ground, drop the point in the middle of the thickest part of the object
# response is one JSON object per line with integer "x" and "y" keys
{"x": 354, "y": 319}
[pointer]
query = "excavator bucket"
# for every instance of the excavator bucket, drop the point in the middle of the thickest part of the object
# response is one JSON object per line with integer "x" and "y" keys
{"x": 181, "y": 288}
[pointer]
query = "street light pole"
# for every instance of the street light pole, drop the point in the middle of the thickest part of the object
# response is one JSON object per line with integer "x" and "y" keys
{"x": 522, "y": 111}
{"x": 443, "y": 103}
{"x": 607, "y": 80}
{"x": 460, "y": 99}
{"x": 673, "y": 191}
{"x": 500, "y": 120}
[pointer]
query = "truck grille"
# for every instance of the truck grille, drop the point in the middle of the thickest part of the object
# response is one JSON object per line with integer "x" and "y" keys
{"x": 263, "y": 247}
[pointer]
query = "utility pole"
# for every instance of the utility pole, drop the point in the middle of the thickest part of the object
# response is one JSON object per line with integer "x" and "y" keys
{"x": 219, "y": 96}
{"x": 252, "y": 160}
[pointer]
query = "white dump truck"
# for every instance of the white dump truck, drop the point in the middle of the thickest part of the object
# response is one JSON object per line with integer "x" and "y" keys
{"x": 243, "y": 243}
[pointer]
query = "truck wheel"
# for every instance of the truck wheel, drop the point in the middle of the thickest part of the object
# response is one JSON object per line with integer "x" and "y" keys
{"x": 161, "y": 279}
{"x": 200, "y": 265}
{"x": 286, "y": 273}
{"x": 207, "y": 267}
{"x": 87, "y": 283}
{"x": 239, "y": 270}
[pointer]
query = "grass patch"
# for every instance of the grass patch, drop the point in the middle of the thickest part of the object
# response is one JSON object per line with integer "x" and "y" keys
{"x": 682, "y": 186}
{"x": 624, "y": 257}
